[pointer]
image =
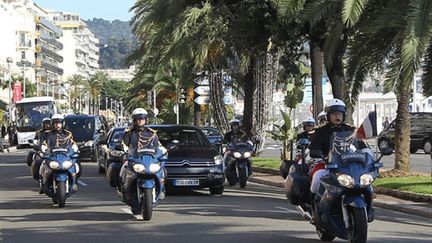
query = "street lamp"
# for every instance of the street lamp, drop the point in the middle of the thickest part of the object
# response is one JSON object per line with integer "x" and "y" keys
{"x": 23, "y": 63}
{"x": 9, "y": 61}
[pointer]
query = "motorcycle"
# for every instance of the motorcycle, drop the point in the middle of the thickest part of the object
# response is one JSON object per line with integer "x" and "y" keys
{"x": 342, "y": 206}
{"x": 60, "y": 183}
{"x": 238, "y": 164}
{"x": 34, "y": 158}
{"x": 148, "y": 168}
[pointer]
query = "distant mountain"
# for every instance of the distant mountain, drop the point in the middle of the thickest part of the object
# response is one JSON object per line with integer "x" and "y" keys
{"x": 116, "y": 41}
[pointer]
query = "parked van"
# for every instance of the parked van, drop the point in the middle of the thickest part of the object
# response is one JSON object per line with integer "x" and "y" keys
{"x": 421, "y": 133}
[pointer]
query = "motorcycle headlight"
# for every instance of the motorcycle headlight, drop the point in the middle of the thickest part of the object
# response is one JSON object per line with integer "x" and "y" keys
{"x": 89, "y": 143}
{"x": 67, "y": 164}
{"x": 346, "y": 180}
{"x": 138, "y": 168}
{"x": 366, "y": 179}
{"x": 218, "y": 160}
{"x": 54, "y": 165}
{"x": 154, "y": 168}
{"x": 247, "y": 154}
{"x": 237, "y": 155}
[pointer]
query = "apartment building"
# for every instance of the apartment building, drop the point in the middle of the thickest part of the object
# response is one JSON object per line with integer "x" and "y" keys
{"x": 81, "y": 47}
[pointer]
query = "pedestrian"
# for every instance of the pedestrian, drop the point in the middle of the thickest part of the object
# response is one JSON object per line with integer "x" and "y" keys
{"x": 386, "y": 122}
{"x": 3, "y": 131}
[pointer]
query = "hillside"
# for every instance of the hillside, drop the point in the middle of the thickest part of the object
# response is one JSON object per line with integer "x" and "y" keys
{"x": 116, "y": 41}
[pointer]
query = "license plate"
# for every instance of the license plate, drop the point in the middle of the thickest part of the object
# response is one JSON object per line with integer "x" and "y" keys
{"x": 186, "y": 182}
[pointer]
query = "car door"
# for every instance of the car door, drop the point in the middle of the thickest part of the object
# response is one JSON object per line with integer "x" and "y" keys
{"x": 417, "y": 132}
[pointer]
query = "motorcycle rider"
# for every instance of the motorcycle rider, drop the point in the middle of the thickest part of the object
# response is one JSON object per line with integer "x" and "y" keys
{"x": 58, "y": 137}
{"x": 236, "y": 134}
{"x": 137, "y": 137}
{"x": 322, "y": 118}
{"x": 308, "y": 129}
{"x": 336, "y": 113}
{"x": 40, "y": 138}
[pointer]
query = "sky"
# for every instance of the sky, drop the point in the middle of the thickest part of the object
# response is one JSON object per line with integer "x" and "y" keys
{"x": 88, "y": 9}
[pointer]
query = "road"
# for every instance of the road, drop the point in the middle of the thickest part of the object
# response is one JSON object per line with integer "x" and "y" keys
{"x": 256, "y": 214}
{"x": 420, "y": 162}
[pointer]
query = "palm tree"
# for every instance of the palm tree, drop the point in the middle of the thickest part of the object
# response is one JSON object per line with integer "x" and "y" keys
{"x": 76, "y": 83}
{"x": 395, "y": 36}
{"x": 95, "y": 84}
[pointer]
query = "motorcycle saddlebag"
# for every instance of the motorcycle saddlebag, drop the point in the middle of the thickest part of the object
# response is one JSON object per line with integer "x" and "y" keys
{"x": 297, "y": 185}
{"x": 113, "y": 174}
{"x": 285, "y": 167}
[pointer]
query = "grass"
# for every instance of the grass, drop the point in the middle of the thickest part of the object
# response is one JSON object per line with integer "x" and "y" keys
{"x": 272, "y": 163}
{"x": 419, "y": 184}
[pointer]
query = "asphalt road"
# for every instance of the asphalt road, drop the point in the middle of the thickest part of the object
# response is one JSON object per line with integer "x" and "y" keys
{"x": 256, "y": 214}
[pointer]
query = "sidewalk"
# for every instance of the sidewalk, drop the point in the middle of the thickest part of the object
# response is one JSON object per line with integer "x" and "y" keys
{"x": 423, "y": 209}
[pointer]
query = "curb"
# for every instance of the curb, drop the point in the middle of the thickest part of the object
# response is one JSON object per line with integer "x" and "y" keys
{"x": 266, "y": 170}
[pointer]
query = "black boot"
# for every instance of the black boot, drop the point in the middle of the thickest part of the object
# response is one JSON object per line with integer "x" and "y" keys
{"x": 371, "y": 214}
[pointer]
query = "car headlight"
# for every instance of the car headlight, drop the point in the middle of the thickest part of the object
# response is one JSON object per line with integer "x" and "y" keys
{"x": 54, "y": 165}
{"x": 89, "y": 143}
{"x": 154, "y": 168}
{"x": 218, "y": 160}
{"x": 138, "y": 168}
{"x": 67, "y": 164}
{"x": 346, "y": 180}
{"x": 247, "y": 154}
{"x": 366, "y": 179}
{"x": 237, "y": 155}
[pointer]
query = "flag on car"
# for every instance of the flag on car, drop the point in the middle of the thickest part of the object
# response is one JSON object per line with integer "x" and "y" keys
{"x": 368, "y": 129}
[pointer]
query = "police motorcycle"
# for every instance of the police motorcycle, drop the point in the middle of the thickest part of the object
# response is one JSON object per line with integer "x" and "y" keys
{"x": 238, "y": 166}
{"x": 342, "y": 206}
{"x": 148, "y": 168}
{"x": 61, "y": 182}
{"x": 36, "y": 158}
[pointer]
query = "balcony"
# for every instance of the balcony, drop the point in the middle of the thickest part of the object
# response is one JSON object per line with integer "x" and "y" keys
{"x": 52, "y": 54}
{"x": 51, "y": 40}
{"x": 51, "y": 68}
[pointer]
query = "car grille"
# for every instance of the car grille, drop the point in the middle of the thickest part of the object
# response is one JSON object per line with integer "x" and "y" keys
{"x": 187, "y": 176}
{"x": 186, "y": 163}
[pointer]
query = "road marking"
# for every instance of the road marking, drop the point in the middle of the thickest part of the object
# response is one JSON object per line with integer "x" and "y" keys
{"x": 287, "y": 209}
{"x": 128, "y": 211}
{"x": 82, "y": 183}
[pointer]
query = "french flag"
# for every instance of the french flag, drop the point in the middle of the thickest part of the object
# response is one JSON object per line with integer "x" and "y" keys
{"x": 368, "y": 129}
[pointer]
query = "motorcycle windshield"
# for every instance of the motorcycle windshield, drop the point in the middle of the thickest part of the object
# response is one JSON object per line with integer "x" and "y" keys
{"x": 347, "y": 149}
{"x": 241, "y": 146}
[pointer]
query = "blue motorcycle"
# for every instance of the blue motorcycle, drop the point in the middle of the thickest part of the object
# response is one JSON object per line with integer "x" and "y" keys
{"x": 61, "y": 182}
{"x": 238, "y": 164}
{"x": 342, "y": 207}
{"x": 148, "y": 168}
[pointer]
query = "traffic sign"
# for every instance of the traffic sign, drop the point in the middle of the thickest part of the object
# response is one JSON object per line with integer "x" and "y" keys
{"x": 311, "y": 108}
{"x": 202, "y": 100}
{"x": 228, "y": 90}
{"x": 202, "y": 80}
{"x": 175, "y": 108}
{"x": 155, "y": 111}
{"x": 228, "y": 99}
{"x": 202, "y": 90}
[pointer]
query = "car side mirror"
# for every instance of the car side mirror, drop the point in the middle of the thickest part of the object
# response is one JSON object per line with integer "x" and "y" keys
{"x": 316, "y": 153}
{"x": 386, "y": 151}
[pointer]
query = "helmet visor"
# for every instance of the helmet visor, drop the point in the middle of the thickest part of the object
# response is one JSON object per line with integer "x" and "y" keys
{"x": 140, "y": 117}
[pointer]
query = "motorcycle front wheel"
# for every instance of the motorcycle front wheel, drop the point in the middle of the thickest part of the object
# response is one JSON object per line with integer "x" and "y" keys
{"x": 242, "y": 177}
{"x": 61, "y": 194}
{"x": 147, "y": 204}
{"x": 357, "y": 232}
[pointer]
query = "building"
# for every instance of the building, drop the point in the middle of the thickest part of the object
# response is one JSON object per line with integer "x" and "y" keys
{"x": 80, "y": 46}
{"x": 120, "y": 74}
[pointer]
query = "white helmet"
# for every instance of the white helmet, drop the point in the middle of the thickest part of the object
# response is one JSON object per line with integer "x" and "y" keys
{"x": 309, "y": 121}
{"x": 235, "y": 121}
{"x": 46, "y": 119}
{"x": 139, "y": 113}
{"x": 321, "y": 114}
{"x": 335, "y": 105}
{"x": 57, "y": 118}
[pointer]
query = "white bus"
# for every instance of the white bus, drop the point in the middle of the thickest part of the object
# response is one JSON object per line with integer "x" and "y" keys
{"x": 28, "y": 114}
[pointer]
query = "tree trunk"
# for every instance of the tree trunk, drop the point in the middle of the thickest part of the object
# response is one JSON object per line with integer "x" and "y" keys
{"x": 217, "y": 102}
{"x": 316, "y": 72}
{"x": 249, "y": 88}
{"x": 266, "y": 70}
{"x": 402, "y": 132}
{"x": 337, "y": 78}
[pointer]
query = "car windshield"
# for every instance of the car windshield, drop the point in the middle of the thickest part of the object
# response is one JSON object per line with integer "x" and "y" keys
{"x": 80, "y": 124}
{"x": 210, "y": 132}
{"x": 181, "y": 137}
{"x": 117, "y": 136}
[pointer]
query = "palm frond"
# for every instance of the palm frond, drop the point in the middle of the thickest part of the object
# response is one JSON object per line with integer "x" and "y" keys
{"x": 352, "y": 10}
